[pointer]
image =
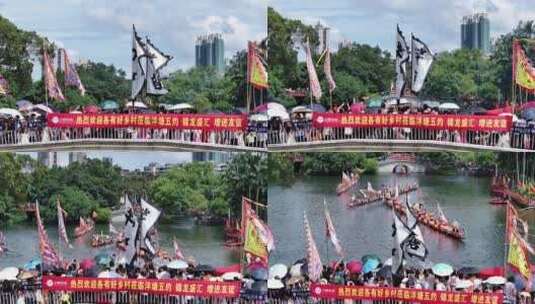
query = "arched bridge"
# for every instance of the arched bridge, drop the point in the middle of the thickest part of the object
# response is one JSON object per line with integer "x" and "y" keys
{"x": 400, "y": 163}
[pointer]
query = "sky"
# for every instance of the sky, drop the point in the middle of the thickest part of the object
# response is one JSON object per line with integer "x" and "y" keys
{"x": 130, "y": 160}
{"x": 436, "y": 22}
{"x": 101, "y": 30}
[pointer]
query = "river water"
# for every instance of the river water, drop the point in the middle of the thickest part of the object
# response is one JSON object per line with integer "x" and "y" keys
{"x": 368, "y": 229}
{"x": 204, "y": 243}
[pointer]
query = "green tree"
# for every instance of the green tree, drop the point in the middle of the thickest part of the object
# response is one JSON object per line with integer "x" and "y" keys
{"x": 335, "y": 163}
{"x": 502, "y": 55}
{"x": 190, "y": 189}
{"x": 17, "y": 49}
{"x": 246, "y": 175}
{"x": 462, "y": 76}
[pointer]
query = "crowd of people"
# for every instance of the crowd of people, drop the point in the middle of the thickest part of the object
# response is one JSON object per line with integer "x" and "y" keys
{"x": 266, "y": 127}
{"x": 29, "y": 127}
{"x": 299, "y": 127}
{"x": 295, "y": 284}
{"x": 27, "y": 283}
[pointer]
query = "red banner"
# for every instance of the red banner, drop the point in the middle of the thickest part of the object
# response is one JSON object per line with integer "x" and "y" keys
{"x": 331, "y": 291}
{"x": 168, "y": 287}
{"x": 418, "y": 121}
{"x": 207, "y": 122}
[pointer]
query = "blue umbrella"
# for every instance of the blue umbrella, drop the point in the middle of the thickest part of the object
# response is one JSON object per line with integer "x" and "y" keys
{"x": 109, "y": 105}
{"x": 31, "y": 265}
{"x": 370, "y": 265}
{"x": 259, "y": 274}
{"x": 316, "y": 107}
{"x": 528, "y": 114}
{"x": 103, "y": 259}
{"x": 442, "y": 270}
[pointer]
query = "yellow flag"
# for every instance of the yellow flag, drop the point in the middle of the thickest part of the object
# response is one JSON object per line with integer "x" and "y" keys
{"x": 257, "y": 74}
{"x": 524, "y": 72}
{"x": 253, "y": 244}
{"x": 518, "y": 257}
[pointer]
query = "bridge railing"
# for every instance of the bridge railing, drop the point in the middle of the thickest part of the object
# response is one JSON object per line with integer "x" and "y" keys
{"x": 261, "y": 140}
{"x": 310, "y": 134}
{"x": 36, "y": 297}
{"x": 221, "y": 138}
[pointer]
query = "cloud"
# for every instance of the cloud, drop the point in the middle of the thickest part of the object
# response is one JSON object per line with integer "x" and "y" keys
{"x": 101, "y": 30}
{"x": 436, "y": 22}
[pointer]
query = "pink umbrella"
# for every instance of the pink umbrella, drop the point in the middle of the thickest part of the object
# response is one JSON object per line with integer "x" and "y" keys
{"x": 224, "y": 269}
{"x": 354, "y": 266}
{"x": 358, "y": 107}
{"x": 498, "y": 111}
{"x": 91, "y": 109}
{"x": 256, "y": 265}
{"x": 527, "y": 105}
{"x": 261, "y": 108}
{"x": 87, "y": 264}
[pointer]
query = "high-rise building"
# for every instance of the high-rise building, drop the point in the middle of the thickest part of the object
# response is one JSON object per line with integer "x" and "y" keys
{"x": 48, "y": 159}
{"x": 210, "y": 51}
{"x": 77, "y": 157}
{"x": 323, "y": 37}
{"x": 475, "y": 32}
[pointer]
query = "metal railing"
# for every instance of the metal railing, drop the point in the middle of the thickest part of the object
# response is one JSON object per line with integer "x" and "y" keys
{"x": 261, "y": 141}
{"x": 233, "y": 139}
{"x": 310, "y": 134}
{"x": 36, "y": 297}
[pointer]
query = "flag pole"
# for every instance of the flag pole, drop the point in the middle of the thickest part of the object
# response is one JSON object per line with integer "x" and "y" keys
{"x": 43, "y": 73}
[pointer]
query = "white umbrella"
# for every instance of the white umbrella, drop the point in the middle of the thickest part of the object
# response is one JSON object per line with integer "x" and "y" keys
{"x": 495, "y": 280}
{"x": 177, "y": 264}
{"x": 278, "y": 271}
{"x": 180, "y": 107}
{"x": 109, "y": 275}
{"x": 463, "y": 284}
{"x": 11, "y": 112}
{"x": 75, "y": 112}
{"x": 258, "y": 117}
{"x": 449, "y": 106}
{"x": 277, "y": 112}
{"x": 137, "y": 104}
{"x": 394, "y": 101}
{"x": 9, "y": 274}
{"x": 231, "y": 276}
{"x": 274, "y": 284}
{"x": 301, "y": 109}
{"x": 295, "y": 271}
{"x": 43, "y": 108}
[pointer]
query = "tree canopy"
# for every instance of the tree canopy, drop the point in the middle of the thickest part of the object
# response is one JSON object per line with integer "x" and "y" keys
{"x": 362, "y": 70}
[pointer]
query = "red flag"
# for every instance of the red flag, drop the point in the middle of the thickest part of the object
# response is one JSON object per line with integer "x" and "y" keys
{"x": 327, "y": 70}
{"x": 71, "y": 76}
{"x": 315, "y": 87}
{"x": 178, "y": 253}
{"x": 331, "y": 233}
{"x": 48, "y": 253}
{"x": 313, "y": 257}
{"x": 51, "y": 83}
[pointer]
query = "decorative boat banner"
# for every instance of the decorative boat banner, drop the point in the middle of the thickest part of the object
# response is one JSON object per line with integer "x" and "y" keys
{"x": 331, "y": 291}
{"x": 168, "y": 287}
{"x": 208, "y": 122}
{"x": 442, "y": 122}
